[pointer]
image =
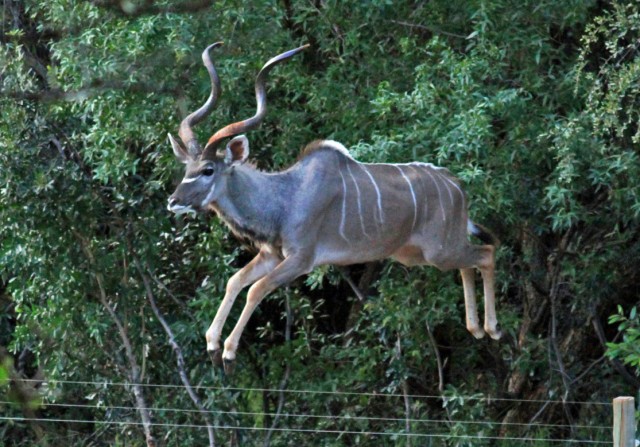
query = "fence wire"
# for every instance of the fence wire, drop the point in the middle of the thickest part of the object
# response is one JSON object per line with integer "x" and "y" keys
{"x": 311, "y": 431}
{"x": 345, "y": 418}
{"x": 436, "y": 423}
{"x": 487, "y": 399}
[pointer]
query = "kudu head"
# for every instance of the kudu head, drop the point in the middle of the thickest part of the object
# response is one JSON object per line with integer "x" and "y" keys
{"x": 208, "y": 169}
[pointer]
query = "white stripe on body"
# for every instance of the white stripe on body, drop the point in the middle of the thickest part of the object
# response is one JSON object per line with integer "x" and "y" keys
{"x": 442, "y": 175}
{"x": 413, "y": 196}
{"x": 375, "y": 185}
{"x": 344, "y": 203}
{"x": 438, "y": 176}
{"x": 447, "y": 187}
{"x": 455, "y": 185}
{"x": 426, "y": 196}
{"x": 435, "y": 182}
{"x": 364, "y": 231}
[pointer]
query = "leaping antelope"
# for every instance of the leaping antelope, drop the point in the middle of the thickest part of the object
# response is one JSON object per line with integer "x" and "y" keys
{"x": 327, "y": 208}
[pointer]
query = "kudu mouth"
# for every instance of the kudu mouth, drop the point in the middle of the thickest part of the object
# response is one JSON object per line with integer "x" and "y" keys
{"x": 176, "y": 208}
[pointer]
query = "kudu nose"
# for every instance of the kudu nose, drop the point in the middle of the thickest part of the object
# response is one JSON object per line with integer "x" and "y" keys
{"x": 172, "y": 202}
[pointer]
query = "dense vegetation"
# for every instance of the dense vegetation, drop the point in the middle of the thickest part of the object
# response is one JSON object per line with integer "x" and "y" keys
{"x": 534, "y": 105}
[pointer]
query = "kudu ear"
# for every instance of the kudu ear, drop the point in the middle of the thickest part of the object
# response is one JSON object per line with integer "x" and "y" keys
{"x": 178, "y": 150}
{"x": 237, "y": 151}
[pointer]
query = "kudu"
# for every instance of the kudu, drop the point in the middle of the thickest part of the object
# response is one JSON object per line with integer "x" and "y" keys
{"x": 325, "y": 209}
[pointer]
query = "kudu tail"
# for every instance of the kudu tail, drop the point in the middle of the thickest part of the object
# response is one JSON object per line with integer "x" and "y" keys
{"x": 482, "y": 233}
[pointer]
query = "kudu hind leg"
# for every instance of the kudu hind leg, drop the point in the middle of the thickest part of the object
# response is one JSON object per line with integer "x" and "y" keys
{"x": 487, "y": 269}
{"x": 471, "y": 309}
{"x": 259, "y": 266}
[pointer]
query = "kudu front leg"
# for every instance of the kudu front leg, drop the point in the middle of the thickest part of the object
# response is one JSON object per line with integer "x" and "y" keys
{"x": 285, "y": 272}
{"x": 259, "y": 266}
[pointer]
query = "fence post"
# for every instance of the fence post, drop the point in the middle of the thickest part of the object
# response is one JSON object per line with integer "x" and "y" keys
{"x": 624, "y": 422}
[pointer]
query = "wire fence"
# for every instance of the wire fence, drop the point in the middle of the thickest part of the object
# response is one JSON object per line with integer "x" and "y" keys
{"x": 346, "y": 418}
{"x": 487, "y": 399}
{"x": 313, "y": 430}
{"x": 294, "y": 422}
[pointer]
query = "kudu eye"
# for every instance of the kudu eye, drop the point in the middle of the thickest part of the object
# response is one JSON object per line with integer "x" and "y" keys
{"x": 208, "y": 171}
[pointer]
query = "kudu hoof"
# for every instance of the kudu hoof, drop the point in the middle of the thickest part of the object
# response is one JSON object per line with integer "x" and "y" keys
{"x": 476, "y": 332}
{"x": 229, "y": 366}
{"x": 216, "y": 357}
{"x": 495, "y": 334}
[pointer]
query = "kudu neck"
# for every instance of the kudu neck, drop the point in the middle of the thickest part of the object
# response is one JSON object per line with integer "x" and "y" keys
{"x": 252, "y": 205}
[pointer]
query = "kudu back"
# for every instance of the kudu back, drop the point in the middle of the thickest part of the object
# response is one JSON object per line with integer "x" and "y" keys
{"x": 327, "y": 208}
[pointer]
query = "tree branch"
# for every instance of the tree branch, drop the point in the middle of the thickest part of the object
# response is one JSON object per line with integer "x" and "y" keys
{"x": 160, "y": 284}
{"x": 287, "y": 373}
{"x": 431, "y": 29}
{"x": 553, "y": 339}
{"x": 405, "y": 395}
{"x": 626, "y": 375}
{"x": 96, "y": 87}
{"x": 345, "y": 275}
{"x": 134, "y": 369}
{"x": 182, "y": 371}
{"x": 434, "y": 345}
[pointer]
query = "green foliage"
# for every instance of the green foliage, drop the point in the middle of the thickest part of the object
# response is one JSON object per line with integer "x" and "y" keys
{"x": 532, "y": 104}
{"x": 626, "y": 350}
